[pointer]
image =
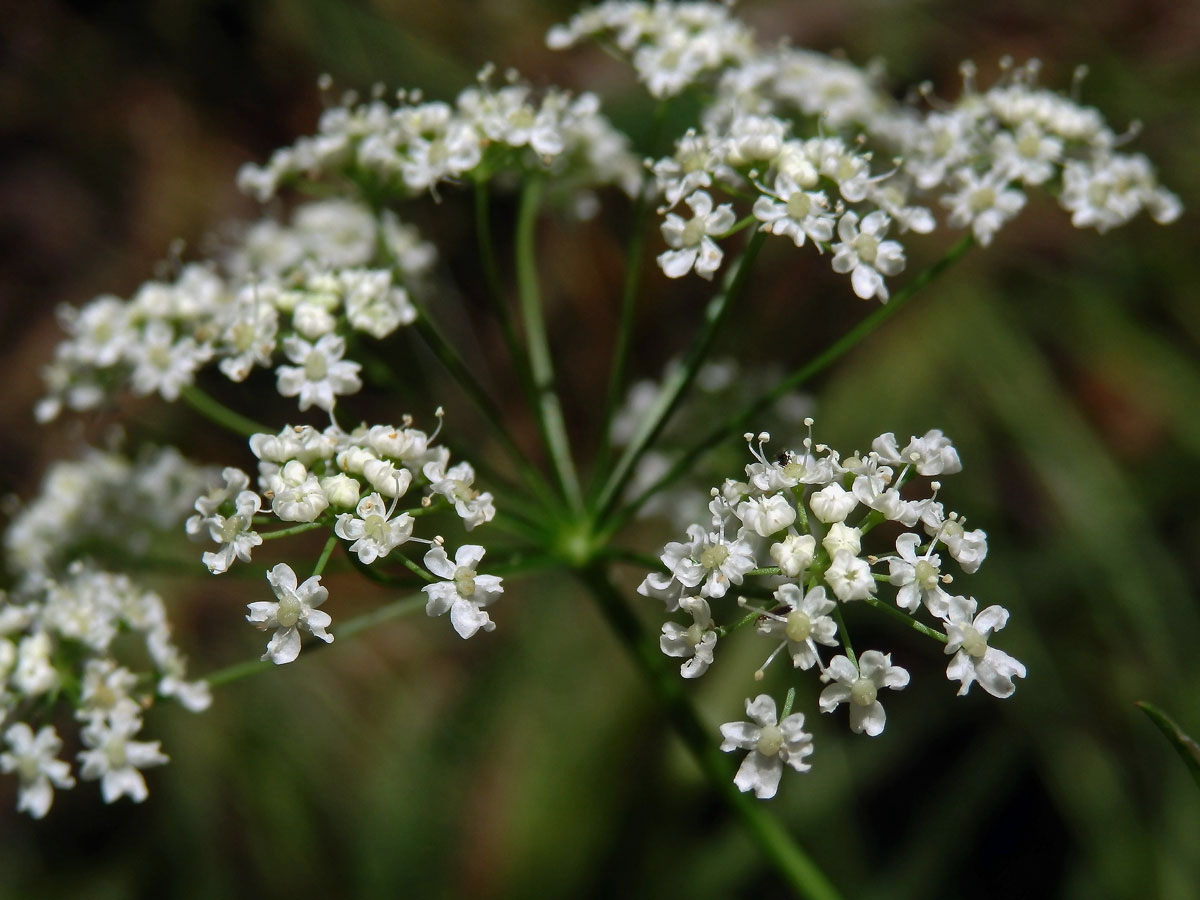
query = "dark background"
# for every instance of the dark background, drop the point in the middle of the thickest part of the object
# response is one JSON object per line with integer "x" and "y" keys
{"x": 406, "y": 763}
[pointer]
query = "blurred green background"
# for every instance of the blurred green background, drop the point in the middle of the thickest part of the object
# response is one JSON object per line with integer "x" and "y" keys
{"x": 531, "y": 762}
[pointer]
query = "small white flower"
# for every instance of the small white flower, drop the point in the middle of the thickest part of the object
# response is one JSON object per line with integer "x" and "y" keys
{"x": 850, "y": 577}
{"x": 296, "y": 608}
{"x": 341, "y": 490}
{"x": 690, "y": 241}
{"x": 918, "y": 577}
{"x": 115, "y": 759}
{"x": 386, "y": 477}
{"x": 697, "y": 641}
{"x": 841, "y": 538}
{"x": 473, "y": 507}
{"x": 234, "y": 534}
{"x": 860, "y": 686}
{"x": 833, "y": 503}
{"x": 162, "y": 363}
{"x": 297, "y": 494}
{"x": 373, "y": 533}
{"x": 1028, "y": 154}
{"x": 766, "y": 516}
{"x": 969, "y": 548}
{"x": 34, "y": 758}
{"x": 708, "y": 559}
{"x": 983, "y": 202}
{"x": 794, "y": 554}
{"x": 320, "y": 373}
{"x": 793, "y": 212}
{"x": 974, "y": 660}
{"x": 463, "y": 594}
{"x": 801, "y": 619}
{"x": 770, "y": 745}
{"x": 866, "y": 255}
{"x": 34, "y": 673}
{"x": 931, "y": 454}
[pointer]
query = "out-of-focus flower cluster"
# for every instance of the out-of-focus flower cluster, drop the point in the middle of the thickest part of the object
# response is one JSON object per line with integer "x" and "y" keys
{"x": 285, "y": 295}
{"x": 799, "y": 524}
{"x": 413, "y": 146}
{"x": 94, "y": 641}
{"x": 822, "y": 154}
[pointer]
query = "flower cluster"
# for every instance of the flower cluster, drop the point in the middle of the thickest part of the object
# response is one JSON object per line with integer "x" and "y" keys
{"x": 413, "y": 146}
{"x": 282, "y": 294}
{"x": 65, "y": 625}
{"x": 797, "y": 132}
{"x": 800, "y": 522}
{"x": 351, "y": 483}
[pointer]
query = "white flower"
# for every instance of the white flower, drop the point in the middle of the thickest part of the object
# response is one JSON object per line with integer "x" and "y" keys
{"x": 34, "y": 674}
{"x": 208, "y": 503}
{"x": 983, "y": 202}
{"x": 917, "y": 576}
{"x": 930, "y": 454}
{"x": 696, "y": 641}
{"x": 162, "y": 363}
{"x": 969, "y": 548}
{"x": 795, "y": 213}
{"x": 794, "y": 554}
{"x": 974, "y": 660}
{"x": 842, "y": 538}
{"x": 34, "y": 758}
{"x": 463, "y": 594}
{"x": 296, "y": 609}
{"x": 766, "y": 516}
{"x": 373, "y": 304}
{"x": 1028, "y": 155}
{"x": 800, "y": 619}
{"x": 474, "y": 507}
{"x": 320, "y": 374}
{"x": 115, "y": 759}
{"x": 832, "y": 503}
{"x": 866, "y": 255}
{"x": 386, "y": 477}
{"x": 297, "y": 494}
{"x": 374, "y": 535}
{"x": 770, "y": 745}
{"x": 341, "y": 490}
{"x": 850, "y": 577}
{"x": 105, "y": 687}
{"x": 234, "y": 534}
{"x": 710, "y": 559}
{"x": 690, "y": 241}
{"x": 445, "y": 155}
{"x": 860, "y": 686}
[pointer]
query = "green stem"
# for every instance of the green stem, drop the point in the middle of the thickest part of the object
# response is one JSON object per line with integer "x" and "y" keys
{"x": 620, "y": 362}
{"x": 326, "y": 551}
{"x": 495, "y": 287}
{"x": 547, "y": 406}
{"x": 216, "y": 411}
{"x": 843, "y": 634}
{"x": 416, "y": 569}
{"x": 792, "y": 863}
{"x": 454, "y": 364}
{"x": 765, "y": 570}
{"x": 401, "y": 607}
{"x": 906, "y": 619}
{"x": 736, "y": 424}
{"x": 288, "y": 532}
{"x": 678, "y": 382}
